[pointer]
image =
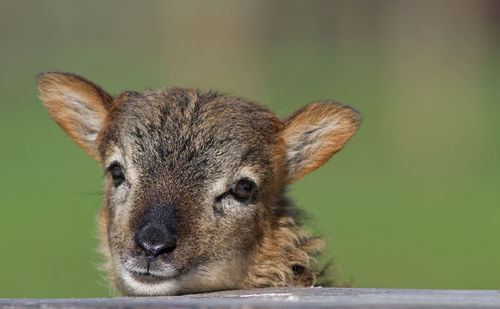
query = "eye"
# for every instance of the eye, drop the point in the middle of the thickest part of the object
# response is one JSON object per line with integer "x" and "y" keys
{"x": 244, "y": 189}
{"x": 117, "y": 174}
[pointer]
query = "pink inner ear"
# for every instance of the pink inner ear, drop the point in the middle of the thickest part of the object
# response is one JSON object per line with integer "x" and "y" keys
{"x": 315, "y": 133}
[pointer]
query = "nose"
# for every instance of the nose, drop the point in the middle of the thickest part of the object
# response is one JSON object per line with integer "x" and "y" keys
{"x": 155, "y": 240}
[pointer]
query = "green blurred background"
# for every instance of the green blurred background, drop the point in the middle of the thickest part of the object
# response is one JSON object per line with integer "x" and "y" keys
{"x": 413, "y": 200}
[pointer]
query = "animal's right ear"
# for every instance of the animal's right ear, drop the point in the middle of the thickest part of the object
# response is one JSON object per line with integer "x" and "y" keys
{"x": 77, "y": 105}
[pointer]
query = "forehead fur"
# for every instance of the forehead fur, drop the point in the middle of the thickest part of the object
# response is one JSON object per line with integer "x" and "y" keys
{"x": 183, "y": 128}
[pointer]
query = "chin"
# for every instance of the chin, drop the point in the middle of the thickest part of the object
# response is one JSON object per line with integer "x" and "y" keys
{"x": 142, "y": 284}
{"x": 135, "y": 281}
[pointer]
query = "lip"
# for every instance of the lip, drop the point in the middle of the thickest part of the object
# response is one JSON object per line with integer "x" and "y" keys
{"x": 147, "y": 277}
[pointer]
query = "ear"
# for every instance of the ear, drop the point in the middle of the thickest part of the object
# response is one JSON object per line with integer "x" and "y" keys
{"x": 77, "y": 105}
{"x": 316, "y": 132}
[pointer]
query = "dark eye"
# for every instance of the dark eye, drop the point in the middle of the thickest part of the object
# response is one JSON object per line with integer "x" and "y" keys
{"x": 244, "y": 189}
{"x": 117, "y": 174}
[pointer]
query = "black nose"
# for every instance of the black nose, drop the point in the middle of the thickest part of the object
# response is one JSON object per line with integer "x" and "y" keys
{"x": 155, "y": 240}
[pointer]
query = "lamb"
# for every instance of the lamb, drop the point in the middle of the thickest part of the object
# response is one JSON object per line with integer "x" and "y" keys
{"x": 195, "y": 183}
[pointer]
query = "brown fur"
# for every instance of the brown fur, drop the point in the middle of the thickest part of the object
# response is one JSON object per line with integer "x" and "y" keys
{"x": 182, "y": 154}
{"x": 53, "y": 91}
{"x": 315, "y": 117}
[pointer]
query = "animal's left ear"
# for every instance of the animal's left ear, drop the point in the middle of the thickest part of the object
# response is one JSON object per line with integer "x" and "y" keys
{"x": 314, "y": 133}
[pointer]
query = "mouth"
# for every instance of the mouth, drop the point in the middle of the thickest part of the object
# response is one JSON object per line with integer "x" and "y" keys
{"x": 141, "y": 281}
{"x": 147, "y": 277}
{"x": 148, "y": 274}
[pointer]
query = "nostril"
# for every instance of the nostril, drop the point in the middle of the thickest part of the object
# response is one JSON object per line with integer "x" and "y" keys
{"x": 159, "y": 250}
{"x": 155, "y": 251}
{"x": 155, "y": 240}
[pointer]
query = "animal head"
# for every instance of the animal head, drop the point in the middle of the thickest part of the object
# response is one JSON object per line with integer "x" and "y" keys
{"x": 194, "y": 191}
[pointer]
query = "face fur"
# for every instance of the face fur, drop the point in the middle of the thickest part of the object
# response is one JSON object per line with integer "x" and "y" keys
{"x": 194, "y": 183}
{"x": 175, "y": 162}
